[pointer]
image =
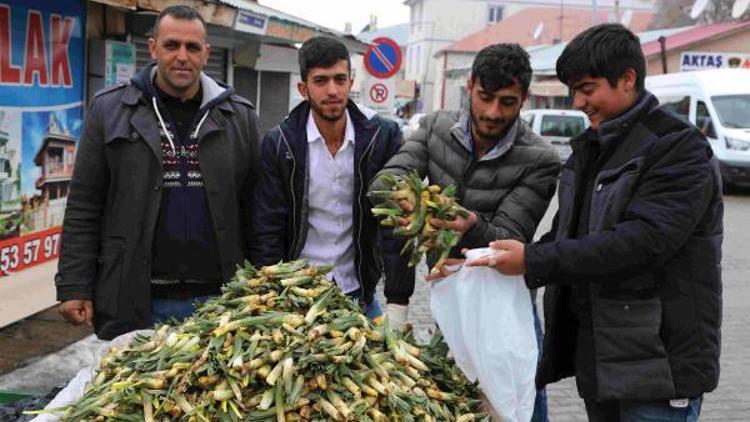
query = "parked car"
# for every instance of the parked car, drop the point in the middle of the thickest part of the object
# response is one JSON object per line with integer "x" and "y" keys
{"x": 411, "y": 125}
{"x": 717, "y": 101}
{"x": 556, "y": 126}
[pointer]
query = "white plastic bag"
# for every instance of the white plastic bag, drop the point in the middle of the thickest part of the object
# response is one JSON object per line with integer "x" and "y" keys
{"x": 487, "y": 321}
{"x": 76, "y": 387}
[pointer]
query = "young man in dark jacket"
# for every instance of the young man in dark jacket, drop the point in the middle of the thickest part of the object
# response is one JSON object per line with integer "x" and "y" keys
{"x": 316, "y": 166}
{"x": 158, "y": 213}
{"x": 632, "y": 264}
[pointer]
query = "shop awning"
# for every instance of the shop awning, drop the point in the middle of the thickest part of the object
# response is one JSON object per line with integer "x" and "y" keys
{"x": 126, "y": 4}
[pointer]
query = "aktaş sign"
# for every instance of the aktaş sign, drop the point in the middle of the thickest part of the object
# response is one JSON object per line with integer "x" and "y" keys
{"x": 692, "y": 60}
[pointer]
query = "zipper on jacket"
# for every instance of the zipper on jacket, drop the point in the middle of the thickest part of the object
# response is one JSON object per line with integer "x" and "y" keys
{"x": 294, "y": 201}
{"x": 361, "y": 213}
{"x": 464, "y": 176}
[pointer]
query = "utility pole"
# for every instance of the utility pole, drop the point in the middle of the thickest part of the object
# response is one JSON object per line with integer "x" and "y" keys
{"x": 617, "y": 10}
{"x": 562, "y": 11}
{"x": 593, "y": 13}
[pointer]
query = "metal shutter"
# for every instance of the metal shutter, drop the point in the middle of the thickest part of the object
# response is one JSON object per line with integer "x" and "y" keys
{"x": 274, "y": 99}
{"x": 246, "y": 83}
{"x": 217, "y": 60}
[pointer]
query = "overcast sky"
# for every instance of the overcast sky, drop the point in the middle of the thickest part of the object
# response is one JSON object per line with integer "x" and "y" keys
{"x": 334, "y": 13}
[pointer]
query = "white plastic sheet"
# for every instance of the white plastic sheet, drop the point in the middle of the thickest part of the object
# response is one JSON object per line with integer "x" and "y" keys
{"x": 487, "y": 320}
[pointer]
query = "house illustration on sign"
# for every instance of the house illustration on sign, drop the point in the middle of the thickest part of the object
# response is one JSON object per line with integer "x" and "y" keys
{"x": 10, "y": 186}
{"x": 56, "y": 157}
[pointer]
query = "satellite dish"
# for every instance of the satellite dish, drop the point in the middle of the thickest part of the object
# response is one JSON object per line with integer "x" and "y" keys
{"x": 627, "y": 17}
{"x": 698, "y": 8}
{"x": 538, "y": 30}
{"x": 739, "y": 8}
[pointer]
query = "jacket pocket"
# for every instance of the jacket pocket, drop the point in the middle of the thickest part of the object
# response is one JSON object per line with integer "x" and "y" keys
{"x": 612, "y": 193}
{"x": 109, "y": 276}
{"x": 631, "y": 360}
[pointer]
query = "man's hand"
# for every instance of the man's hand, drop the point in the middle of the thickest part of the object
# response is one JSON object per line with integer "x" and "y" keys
{"x": 460, "y": 224}
{"x": 450, "y": 266}
{"x": 507, "y": 257}
{"x": 77, "y": 312}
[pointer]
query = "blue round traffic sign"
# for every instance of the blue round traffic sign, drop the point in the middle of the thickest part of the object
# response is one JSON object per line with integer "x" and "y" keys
{"x": 383, "y": 58}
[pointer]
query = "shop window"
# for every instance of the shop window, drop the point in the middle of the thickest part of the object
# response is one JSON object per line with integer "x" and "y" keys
{"x": 494, "y": 14}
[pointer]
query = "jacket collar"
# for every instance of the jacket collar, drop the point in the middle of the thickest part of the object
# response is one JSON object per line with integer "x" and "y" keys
{"x": 294, "y": 128}
{"x": 612, "y": 131}
{"x": 141, "y": 88}
{"x": 462, "y": 133}
{"x": 313, "y": 133}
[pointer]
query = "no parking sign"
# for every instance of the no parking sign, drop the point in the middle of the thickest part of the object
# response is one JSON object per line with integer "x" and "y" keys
{"x": 383, "y": 58}
{"x": 382, "y": 61}
{"x": 378, "y": 94}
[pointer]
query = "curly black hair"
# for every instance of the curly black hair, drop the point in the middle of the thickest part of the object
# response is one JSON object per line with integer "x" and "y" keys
{"x": 500, "y": 66}
{"x": 607, "y": 50}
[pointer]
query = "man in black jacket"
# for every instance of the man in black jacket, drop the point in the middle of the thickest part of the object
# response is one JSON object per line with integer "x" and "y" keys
{"x": 316, "y": 166}
{"x": 632, "y": 264}
{"x": 158, "y": 213}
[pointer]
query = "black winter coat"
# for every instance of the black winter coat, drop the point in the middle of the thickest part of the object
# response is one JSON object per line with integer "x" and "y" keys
{"x": 651, "y": 262}
{"x": 115, "y": 194}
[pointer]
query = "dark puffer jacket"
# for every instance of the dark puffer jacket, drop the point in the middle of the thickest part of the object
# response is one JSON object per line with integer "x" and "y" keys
{"x": 509, "y": 188}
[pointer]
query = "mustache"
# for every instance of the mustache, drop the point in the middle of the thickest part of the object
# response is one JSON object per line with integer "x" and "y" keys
{"x": 497, "y": 121}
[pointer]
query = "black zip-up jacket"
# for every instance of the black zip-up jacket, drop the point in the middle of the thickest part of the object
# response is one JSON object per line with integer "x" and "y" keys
{"x": 281, "y": 201}
{"x": 650, "y": 262}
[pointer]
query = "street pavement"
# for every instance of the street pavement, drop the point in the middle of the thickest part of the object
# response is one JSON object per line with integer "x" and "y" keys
{"x": 729, "y": 403}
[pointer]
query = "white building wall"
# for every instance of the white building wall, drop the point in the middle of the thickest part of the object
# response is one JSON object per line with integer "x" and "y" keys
{"x": 435, "y": 24}
{"x": 455, "y": 86}
{"x": 358, "y": 73}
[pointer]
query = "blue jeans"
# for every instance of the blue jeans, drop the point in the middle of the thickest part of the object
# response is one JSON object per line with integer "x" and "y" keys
{"x": 164, "y": 309}
{"x": 372, "y": 310}
{"x": 540, "y": 403}
{"x": 643, "y": 411}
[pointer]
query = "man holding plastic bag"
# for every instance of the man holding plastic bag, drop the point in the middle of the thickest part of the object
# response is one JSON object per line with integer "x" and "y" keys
{"x": 632, "y": 264}
{"x": 504, "y": 174}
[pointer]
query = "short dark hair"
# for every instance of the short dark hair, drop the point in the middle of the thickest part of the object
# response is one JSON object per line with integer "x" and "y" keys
{"x": 178, "y": 12}
{"x": 607, "y": 50}
{"x": 500, "y": 66}
{"x": 321, "y": 52}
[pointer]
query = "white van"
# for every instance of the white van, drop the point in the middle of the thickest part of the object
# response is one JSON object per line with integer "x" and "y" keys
{"x": 717, "y": 101}
{"x": 556, "y": 126}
